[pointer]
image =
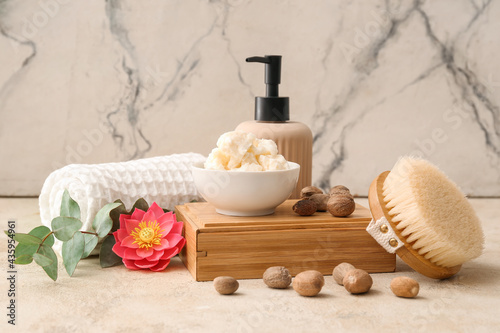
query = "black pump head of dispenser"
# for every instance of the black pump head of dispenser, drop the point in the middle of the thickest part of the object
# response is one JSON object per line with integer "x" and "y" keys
{"x": 272, "y": 107}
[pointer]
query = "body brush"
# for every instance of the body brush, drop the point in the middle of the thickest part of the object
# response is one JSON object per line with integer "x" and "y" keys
{"x": 423, "y": 217}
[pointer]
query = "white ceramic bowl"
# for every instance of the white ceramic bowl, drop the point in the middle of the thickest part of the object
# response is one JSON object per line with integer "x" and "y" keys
{"x": 245, "y": 193}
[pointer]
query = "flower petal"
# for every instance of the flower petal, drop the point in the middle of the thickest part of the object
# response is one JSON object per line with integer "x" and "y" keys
{"x": 130, "y": 264}
{"x": 162, "y": 264}
{"x": 162, "y": 246}
{"x": 181, "y": 244}
{"x": 121, "y": 234}
{"x": 131, "y": 224}
{"x": 149, "y": 216}
{"x": 131, "y": 254}
{"x": 155, "y": 256}
{"x": 177, "y": 228}
{"x": 119, "y": 250}
{"x": 173, "y": 239}
{"x": 168, "y": 216}
{"x": 137, "y": 214}
{"x": 167, "y": 254}
{"x": 165, "y": 227}
{"x": 129, "y": 242}
{"x": 144, "y": 263}
{"x": 143, "y": 253}
{"x": 123, "y": 217}
{"x": 156, "y": 209}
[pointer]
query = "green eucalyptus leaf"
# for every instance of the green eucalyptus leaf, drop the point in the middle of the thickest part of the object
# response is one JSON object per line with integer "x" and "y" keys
{"x": 27, "y": 239}
{"x": 102, "y": 222}
{"x": 42, "y": 260}
{"x": 24, "y": 259}
{"x": 121, "y": 210}
{"x": 24, "y": 249}
{"x": 115, "y": 213}
{"x": 72, "y": 252}
{"x": 51, "y": 269}
{"x": 42, "y": 232}
{"x": 90, "y": 244}
{"x": 141, "y": 204}
{"x": 69, "y": 207}
{"x": 65, "y": 227}
{"x": 29, "y": 249}
{"x": 107, "y": 258}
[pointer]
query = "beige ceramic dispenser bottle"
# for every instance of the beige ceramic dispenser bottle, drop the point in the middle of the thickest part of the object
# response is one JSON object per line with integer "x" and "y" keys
{"x": 272, "y": 121}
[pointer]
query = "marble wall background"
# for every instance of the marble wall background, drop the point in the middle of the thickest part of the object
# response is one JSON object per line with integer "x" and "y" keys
{"x": 89, "y": 81}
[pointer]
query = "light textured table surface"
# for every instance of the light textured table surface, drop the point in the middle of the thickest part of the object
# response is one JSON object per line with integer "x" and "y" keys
{"x": 119, "y": 300}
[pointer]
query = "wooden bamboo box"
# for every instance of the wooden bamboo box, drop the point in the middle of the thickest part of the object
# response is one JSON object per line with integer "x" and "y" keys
{"x": 244, "y": 247}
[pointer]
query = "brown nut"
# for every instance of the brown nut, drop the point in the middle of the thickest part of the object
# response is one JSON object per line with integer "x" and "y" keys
{"x": 277, "y": 277}
{"x": 308, "y": 283}
{"x": 321, "y": 201}
{"x": 340, "y": 271}
{"x": 226, "y": 285}
{"x": 305, "y": 207}
{"x": 403, "y": 286}
{"x": 339, "y": 189}
{"x": 357, "y": 281}
{"x": 307, "y": 191}
{"x": 341, "y": 205}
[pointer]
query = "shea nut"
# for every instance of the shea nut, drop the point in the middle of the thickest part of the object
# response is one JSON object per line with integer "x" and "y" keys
{"x": 305, "y": 207}
{"x": 277, "y": 277}
{"x": 226, "y": 285}
{"x": 357, "y": 281}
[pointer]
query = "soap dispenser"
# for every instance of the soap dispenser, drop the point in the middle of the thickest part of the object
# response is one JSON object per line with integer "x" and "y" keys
{"x": 272, "y": 121}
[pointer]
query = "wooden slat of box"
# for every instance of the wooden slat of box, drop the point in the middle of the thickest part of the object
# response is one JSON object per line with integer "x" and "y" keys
{"x": 244, "y": 247}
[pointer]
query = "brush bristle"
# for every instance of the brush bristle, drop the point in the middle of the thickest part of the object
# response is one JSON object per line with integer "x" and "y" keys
{"x": 432, "y": 213}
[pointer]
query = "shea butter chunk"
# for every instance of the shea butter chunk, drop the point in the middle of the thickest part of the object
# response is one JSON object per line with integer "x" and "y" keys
{"x": 235, "y": 145}
{"x": 217, "y": 160}
{"x": 264, "y": 147}
{"x": 241, "y": 151}
{"x": 270, "y": 162}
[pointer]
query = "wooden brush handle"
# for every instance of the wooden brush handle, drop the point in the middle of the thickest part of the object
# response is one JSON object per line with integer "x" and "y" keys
{"x": 407, "y": 253}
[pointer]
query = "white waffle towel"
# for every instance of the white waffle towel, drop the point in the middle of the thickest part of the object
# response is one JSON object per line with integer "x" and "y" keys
{"x": 166, "y": 180}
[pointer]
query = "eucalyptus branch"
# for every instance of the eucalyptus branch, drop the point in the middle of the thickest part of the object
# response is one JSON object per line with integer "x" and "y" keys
{"x": 36, "y": 246}
{"x": 43, "y": 240}
{"x": 94, "y": 233}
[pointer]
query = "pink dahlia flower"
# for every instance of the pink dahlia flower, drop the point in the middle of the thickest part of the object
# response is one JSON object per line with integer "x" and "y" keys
{"x": 147, "y": 240}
